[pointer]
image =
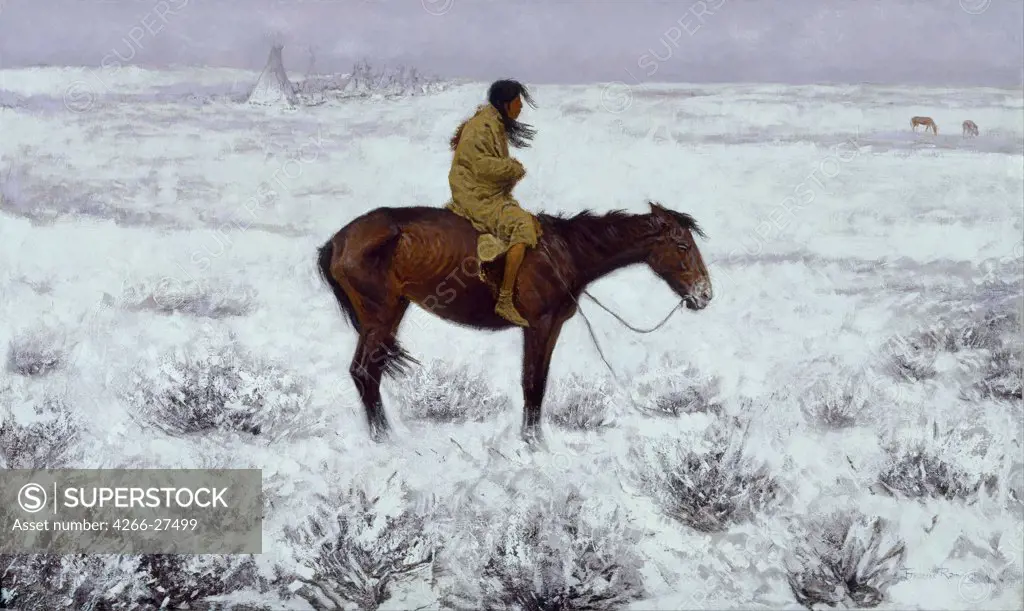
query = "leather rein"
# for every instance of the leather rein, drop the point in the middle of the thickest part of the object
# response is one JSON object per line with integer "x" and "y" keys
{"x": 593, "y": 337}
{"x": 590, "y": 327}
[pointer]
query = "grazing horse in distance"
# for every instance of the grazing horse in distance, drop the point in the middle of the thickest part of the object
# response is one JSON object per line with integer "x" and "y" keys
{"x": 927, "y": 122}
{"x": 970, "y": 128}
{"x": 390, "y": 257}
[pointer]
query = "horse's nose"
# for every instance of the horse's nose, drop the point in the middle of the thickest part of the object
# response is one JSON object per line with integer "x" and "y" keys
{"x": 703, "y": 291}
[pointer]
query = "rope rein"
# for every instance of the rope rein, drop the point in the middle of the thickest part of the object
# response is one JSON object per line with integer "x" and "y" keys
{"x": 631, "y": 327}
{"x": 593, "y": 336}
{"x": 590, "y": 327}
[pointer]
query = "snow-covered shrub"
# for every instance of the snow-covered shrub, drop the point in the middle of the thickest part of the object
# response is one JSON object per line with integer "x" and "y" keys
{"x": 37, "y": 351}
{"x": 546, "y": 554}
{"x": 970, "y": 334}
{"x": 835, "y": 403}
{"x": 673, "y": 392}
{"x": 706, "y": 490}
{"x": 993, "y": 333}
{"x": 225, "y": 388}
{"x": 845, "y": 559}
{"x": 1001, "y": 377}
{"x": 45, "y": 442}
{"x": 173, "y": 580}
{"x": 170, "y": 295}
{"x": 441, "y": 393}
{"x": 925, "y": 468}
{"x": 581, "y": 403}
{"x": 352, "y": 551}
{"x": 912, "y": 358}
{"x": 81, "y": 582}
{"x": 101, "y": 582}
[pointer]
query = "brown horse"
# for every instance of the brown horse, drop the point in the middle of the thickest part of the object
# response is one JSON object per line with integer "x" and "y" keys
{"x": 970, "y": 128}
{"x": 927, "y": 122}
{"x": 390, "y": 257}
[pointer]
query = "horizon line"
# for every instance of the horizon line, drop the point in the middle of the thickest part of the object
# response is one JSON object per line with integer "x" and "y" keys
{"x": 1019, "y": 85}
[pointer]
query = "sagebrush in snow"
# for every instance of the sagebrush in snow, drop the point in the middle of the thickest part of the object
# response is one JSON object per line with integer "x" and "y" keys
{"x": 354, "y": 553}
{"x": 834, "y": 403}
{"x": 46, "y": 442}
{"x": 546, "y": 555}
{"x": 912, "y": 358}
{"x": 581, "y": 404}
{"x": 707, "y": 491}
{"x": 37, "y": 352}
{"x": 1001, "y": 378}
{"x": 923, "y": 469}
{"x": 109, "y": 582}
{"x": 441, "y": 393}
{"x": 920, "y": 473}
{"x": 81, "y": 582}
{"x": 206, "y": 301}
{"x": 845, "y": 559}
{"x": 223, "y": 389}
{"x": 173, "y": 580}
{"x": 957, "y": 336}
{"x": 993, "y": 332}
{"x": 673, "y": 393}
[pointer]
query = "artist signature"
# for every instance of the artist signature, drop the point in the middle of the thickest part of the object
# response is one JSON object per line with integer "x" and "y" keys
{"x": 906, "y": 572}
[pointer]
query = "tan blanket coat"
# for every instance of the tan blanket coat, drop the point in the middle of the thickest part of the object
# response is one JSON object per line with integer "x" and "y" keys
{"x": 482, "y": 177}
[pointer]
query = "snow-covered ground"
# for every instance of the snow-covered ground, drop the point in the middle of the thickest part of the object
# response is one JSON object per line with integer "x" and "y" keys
{"x": 865, "y": 339}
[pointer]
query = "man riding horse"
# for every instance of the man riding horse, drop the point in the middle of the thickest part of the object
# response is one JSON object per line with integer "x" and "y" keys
{"x": 392, "y": 256}
{"x": 482, "y": 177}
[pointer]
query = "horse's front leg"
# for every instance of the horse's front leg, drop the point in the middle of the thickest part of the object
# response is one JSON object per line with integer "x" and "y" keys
{"x": 539, "y": 344}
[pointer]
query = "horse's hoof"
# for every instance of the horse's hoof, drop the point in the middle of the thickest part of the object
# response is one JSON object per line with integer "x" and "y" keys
{"x": 534, "y": 440}
{"x": 379, "y": 435}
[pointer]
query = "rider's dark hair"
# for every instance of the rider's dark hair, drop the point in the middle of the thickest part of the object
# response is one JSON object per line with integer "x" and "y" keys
{"x": 501, "y": 93}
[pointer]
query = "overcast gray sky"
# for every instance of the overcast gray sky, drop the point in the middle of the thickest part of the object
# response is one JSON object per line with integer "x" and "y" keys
{"x": 939, "y": 42}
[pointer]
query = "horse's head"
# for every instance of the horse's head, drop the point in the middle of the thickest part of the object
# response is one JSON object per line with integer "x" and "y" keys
{"x": 674, "y": 256}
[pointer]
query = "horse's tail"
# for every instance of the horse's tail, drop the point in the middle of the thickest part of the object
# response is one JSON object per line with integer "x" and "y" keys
{"x": 326, "y": 253}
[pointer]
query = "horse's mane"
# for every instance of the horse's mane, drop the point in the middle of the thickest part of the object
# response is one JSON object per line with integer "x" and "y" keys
{"x": 591, "y": 226}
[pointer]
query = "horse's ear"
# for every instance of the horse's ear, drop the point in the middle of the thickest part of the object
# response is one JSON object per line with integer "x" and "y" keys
{"x": 661, "y": 216}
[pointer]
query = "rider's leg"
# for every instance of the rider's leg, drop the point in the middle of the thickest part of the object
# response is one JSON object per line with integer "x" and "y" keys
{"x": 513, "y": 259}
{"x": 505, "y": 307}
{"x": 521, "y": 229}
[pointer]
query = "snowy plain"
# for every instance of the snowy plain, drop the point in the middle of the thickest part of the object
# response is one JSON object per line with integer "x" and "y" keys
{"x": 160, "y": 221}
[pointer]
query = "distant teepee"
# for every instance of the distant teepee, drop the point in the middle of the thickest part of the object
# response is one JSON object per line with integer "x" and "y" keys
{"x": 273, "y": 87}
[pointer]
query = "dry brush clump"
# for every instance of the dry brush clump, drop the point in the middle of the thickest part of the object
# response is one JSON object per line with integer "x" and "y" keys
{"x": 986, "y": 340}
{"x": 673, "y": 392}
{"x": 708, "y": 490}
{"x": 581, "y": 404}
{"x": 352, "y": 551}
{"x": 172, "y": 580}
{"x": 1002, "y": 376}
{"x": 835, "y": 403}
{"x": 912, "y": 358}
{"x": 544, "y": 554}
{"x": 438, "y": 392}
{"x": 82, "y": 582}
{"x": 926, "y": 468}
{"x": 845, "y": 559}
{"x": 47, "y": 441}
{"x": 37, "y": 351}
{"x": 223, "y": 388}
{"x": 114, "y": 582}
{"x": 203, "y": 300}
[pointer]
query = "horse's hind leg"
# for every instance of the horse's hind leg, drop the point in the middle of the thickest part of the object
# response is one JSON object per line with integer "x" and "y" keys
{"x": 377, "y": 354}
